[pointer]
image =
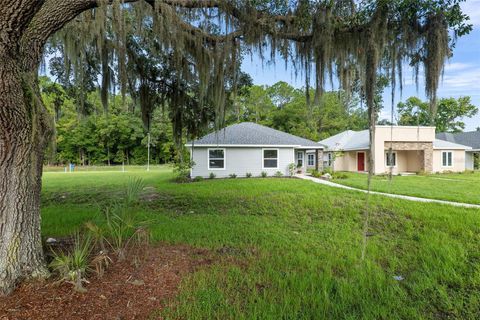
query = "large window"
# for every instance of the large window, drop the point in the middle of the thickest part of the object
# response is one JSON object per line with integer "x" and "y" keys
{"x": 447, "y": 159}
{"x": 216, "y": 159}
{"x": 270, "y": 158}
{"x": 311, "y": 159}
{"x": 391, "y": 159}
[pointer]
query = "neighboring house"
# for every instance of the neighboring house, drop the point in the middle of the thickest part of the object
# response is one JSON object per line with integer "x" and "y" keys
{"x": 251, "y": 148}
{"x": 414, "y": 149}
{"x": 471, "y": 139}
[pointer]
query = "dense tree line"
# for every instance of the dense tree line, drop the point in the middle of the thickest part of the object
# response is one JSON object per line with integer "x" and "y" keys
{"x": 95, "y": 137}
{"x": 99, "y": 138}
{"x": 285, "y": 108}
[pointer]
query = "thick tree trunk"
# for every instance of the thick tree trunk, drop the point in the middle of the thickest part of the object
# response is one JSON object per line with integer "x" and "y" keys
{"x": 24, "y": 130}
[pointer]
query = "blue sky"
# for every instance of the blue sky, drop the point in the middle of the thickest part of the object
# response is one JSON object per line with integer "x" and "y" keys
{"x": 461, "y": 77}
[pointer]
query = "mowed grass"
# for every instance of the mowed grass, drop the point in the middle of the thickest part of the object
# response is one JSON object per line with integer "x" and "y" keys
{"x": 458, "y": 187}
{"x": 296, "y": 247}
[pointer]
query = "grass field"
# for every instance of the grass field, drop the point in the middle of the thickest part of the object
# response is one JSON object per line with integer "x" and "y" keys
{"x": 298, "y": 246}
{"x": 459, "y": 187}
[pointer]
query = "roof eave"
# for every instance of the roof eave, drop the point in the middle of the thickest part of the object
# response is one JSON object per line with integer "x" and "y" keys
{"x": 453, "y": 148}
{"x": 210, "y": 145}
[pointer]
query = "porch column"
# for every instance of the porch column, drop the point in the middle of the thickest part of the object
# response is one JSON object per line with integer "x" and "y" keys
{"x": 319, "y": 160}
{"x": 428, "y": 158}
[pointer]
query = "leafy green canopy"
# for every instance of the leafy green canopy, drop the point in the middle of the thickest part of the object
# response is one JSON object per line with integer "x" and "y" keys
{"x": 200, "y": 45}
{"x": 447, "y": 119}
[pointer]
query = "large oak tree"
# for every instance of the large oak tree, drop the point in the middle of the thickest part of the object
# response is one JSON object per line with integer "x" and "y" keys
{"x": 351, "y": 40}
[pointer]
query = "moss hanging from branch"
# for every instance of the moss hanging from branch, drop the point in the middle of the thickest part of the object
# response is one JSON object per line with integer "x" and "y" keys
{"x": 348, "y": 40}
{"x": 437, "y": 52}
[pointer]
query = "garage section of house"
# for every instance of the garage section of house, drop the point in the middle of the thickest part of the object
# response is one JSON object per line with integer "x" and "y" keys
{"x": 252, "y": 148}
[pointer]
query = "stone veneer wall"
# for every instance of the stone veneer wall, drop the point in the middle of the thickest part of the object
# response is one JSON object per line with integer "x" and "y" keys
{"x": 426, "y": 147}
{"x": 319, "y": 162}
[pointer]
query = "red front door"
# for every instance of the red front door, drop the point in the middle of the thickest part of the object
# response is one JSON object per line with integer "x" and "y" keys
{"x": 361, "y": 161}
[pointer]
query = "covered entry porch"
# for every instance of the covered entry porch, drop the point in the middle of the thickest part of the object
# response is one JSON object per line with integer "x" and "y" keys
{"x": 405, "y": 161}
{"x": 406, "y": 157}
{"x": 306, "y": 159}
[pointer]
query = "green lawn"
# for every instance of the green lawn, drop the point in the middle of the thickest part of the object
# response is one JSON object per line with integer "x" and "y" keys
{"x": 459, "y": 187}
{"x": 297, "y": 245}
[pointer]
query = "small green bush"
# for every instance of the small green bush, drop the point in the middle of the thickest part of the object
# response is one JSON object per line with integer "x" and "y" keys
{"x": 264, "y": 174}
{"x": 182, "y": 170}
{"x": 316, "y": 174}
{"x": 339, "y": 175}
{"x": 198, "y": 178}
{"x": 248, "y": 175}
{"x": 278, "y": 174}
{"x": 327, "y": 170}
{"x": 211, "y": 175}
{"x": 291, "y": 169}
{"x": 232, "y": 176}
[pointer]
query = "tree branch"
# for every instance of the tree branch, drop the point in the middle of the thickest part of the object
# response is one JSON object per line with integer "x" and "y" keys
{"x": 15, "y": 15}
{"x": 54, "y": 14}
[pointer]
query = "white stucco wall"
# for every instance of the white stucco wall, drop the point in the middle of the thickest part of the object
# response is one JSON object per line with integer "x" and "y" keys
{"x": 458, "y": 161}
{"x": 240, "y": 161}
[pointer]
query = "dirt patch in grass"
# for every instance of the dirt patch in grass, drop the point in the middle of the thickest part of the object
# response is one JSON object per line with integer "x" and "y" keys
{"x": 126, "y": 291}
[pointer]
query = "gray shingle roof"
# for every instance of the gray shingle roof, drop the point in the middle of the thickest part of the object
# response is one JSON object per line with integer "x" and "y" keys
{"x": 442, "y": 144}
{"x": 360, "y": 140}
{"x": 348, "y": 140}
{"x": 249, "y": 133}
{"x": 471, "y": 139}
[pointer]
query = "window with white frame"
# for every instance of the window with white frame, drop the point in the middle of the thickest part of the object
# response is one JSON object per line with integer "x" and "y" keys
{"x": 216, "y": 159}
{"x": 391, "y": 159}
{"x": 300, "y": 159}
{"x": 311, "y": 159}
{"x": 447, "y": 159}
{"x": 329, "y": 159}
{"x": 270, "y": 158}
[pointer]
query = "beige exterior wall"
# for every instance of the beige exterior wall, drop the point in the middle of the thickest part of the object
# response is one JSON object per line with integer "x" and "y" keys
{"x": 407, "y": 161}
{"x": 404, "y": 135}
{"x": 414, "y": 161}
{"x": 458, "y": 161}
{"x": 414, "y": 152}
{"x": 348, "y": 161}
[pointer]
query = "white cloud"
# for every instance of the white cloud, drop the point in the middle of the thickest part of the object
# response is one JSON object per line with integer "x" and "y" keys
{"x": 456, "y": 66}
{"x": 462, "y": 81}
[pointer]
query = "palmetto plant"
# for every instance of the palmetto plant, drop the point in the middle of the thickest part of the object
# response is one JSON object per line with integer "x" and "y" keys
{"x": 73, "y": 266}
{"x": 133, "y": 189}
{"x": 122, "y": 227}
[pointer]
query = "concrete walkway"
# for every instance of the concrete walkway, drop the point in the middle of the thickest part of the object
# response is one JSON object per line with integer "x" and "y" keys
{"x": 399, "y": 196}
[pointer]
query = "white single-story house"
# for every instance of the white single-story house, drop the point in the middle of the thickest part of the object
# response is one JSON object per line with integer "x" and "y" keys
{"x": 251, "y": 148}
{"x": 413, "y": 149}
{"x": 470, "y": 139}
